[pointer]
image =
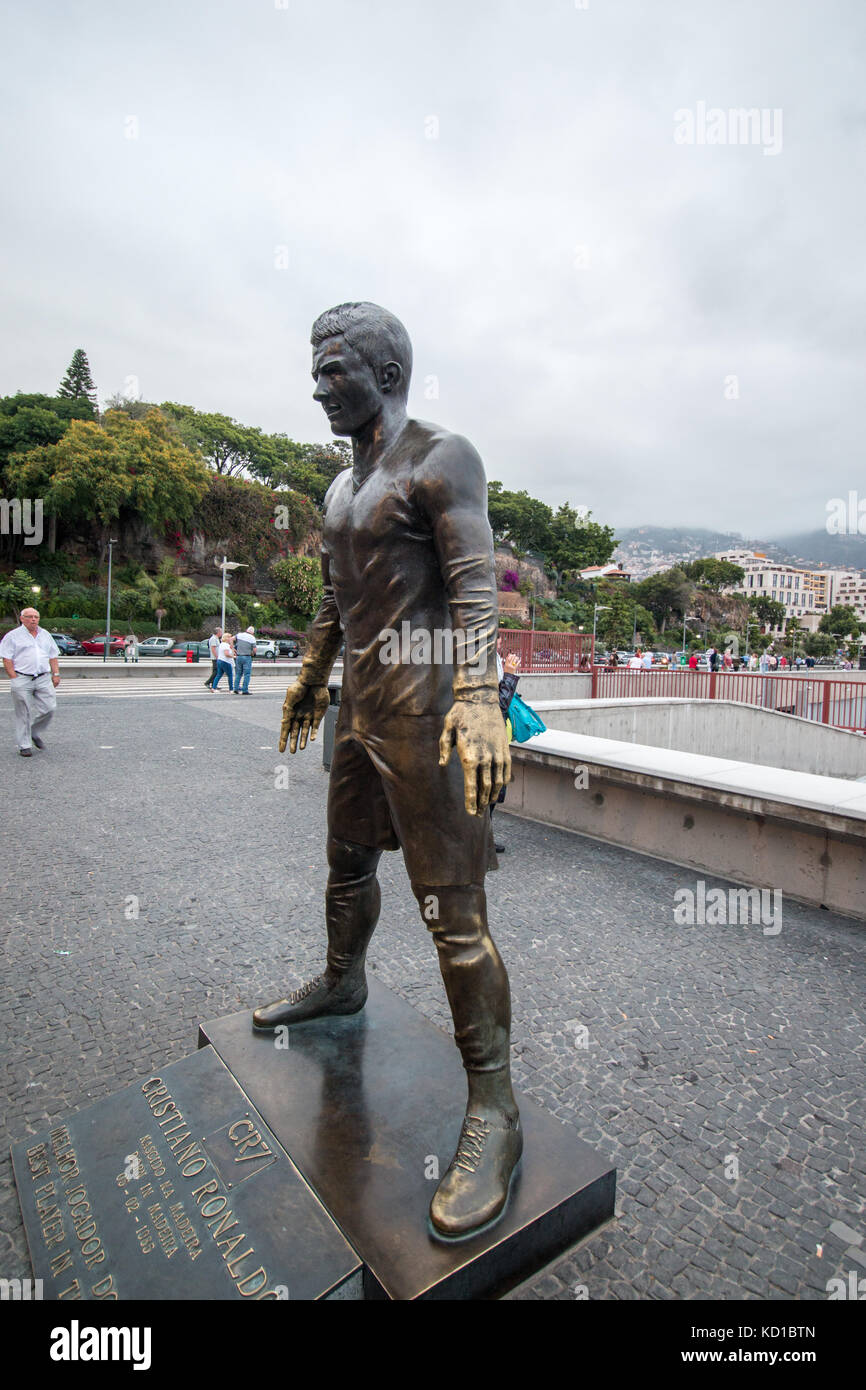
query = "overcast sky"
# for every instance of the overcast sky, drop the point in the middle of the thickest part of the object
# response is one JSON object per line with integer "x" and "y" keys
{"x": 189, "y": 182}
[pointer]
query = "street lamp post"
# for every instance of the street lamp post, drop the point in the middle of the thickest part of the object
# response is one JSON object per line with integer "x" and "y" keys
{"x": 689, "y": 618}
{"x": 599, "y": 608}
{"x": 225, "y": 566}
{"x": 107, "y": 643}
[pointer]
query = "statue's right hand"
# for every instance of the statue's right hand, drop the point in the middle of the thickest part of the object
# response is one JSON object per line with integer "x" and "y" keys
{"x": 303, "y": 711}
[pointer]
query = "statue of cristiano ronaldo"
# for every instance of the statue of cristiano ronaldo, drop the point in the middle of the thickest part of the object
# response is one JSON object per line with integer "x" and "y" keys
{"x": 407, "y": 547}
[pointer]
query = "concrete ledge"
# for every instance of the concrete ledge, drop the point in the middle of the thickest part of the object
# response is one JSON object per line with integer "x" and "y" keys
{"x": 720, "y": 728}
{"x": 762, "y": 826}
{"x": 165, "y": 667}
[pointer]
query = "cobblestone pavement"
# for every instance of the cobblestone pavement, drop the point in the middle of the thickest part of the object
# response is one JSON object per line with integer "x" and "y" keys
{"x": 704, "y": 1044}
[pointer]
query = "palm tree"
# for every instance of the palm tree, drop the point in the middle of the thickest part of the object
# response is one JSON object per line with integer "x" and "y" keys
{"x": 167, "y": 589}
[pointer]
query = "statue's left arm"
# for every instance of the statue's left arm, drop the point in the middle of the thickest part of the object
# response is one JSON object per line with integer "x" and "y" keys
{"x": 452, "y": 491}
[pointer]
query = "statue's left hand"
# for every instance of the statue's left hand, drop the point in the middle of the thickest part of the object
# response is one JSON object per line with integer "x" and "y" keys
{"x": 478, "y": 731}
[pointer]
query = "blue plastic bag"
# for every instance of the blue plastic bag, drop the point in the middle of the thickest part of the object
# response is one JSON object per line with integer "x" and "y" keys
{"x": 524, "y": 721}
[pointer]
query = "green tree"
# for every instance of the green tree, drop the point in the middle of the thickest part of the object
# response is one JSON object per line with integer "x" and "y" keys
{"x": 622, "y": 616}
{"x": 819, "y": 644}
{"x": 124, "y": 470}
{"x": 770, "y": 612}
{"x": 226, "y": 446}
{"x": 843, "y": 620}
{"x": 308, "y": 469}
{"x": 298, "y": 584}
{"x": 575, "y": 542}
{"x": 518, "y": 518}
{"x": 166, "y": 592}
{"x": 28, "y": 421}
{"x": 714, "y": 574}
{"x": 78, "y": 383}
{"x": 16, "y": 592}
{"x": 668, "y": 595}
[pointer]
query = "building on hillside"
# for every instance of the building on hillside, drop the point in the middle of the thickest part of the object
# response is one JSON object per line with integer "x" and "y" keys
{"x": 850, "y": 589}
{"x": 605, "y": 572}
{"x": 785, "y": 584}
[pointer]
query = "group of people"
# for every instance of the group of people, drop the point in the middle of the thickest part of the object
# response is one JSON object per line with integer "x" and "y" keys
{"x": 716, "y": 661}
{"x": 231, "y": 656}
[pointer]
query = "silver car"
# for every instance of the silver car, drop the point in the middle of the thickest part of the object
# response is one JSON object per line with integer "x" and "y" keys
{"x": 155, "y": 646}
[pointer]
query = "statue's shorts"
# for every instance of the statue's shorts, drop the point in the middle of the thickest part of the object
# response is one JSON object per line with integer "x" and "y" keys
{"x": 387, "y": 791}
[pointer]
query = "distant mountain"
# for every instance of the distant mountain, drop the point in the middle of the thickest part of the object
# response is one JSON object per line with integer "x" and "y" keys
{"x": 689, "y": 541}
{"x": 819, "y": 548}
{"x": 809, "y": 549}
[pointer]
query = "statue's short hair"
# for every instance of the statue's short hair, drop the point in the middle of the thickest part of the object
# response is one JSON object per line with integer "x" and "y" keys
{"x": 372, "y": 331}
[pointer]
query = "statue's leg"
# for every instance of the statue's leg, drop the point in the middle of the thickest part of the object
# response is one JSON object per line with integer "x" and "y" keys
{"x": 352, "y": 901}
{"x": 475, "y": 1188}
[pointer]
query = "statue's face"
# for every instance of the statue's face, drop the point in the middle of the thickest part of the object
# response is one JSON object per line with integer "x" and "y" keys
{"x": 346, "y": 386}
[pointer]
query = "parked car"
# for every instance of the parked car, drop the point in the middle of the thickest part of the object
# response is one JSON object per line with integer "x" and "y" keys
{"x": 96, "y": 646}
{"x": 181, "y": 648}
{"x": 267, "y": 648}
{"x": 155, "y": 646}
{"x": 288, "y": 646}
{"x": 69, "y": 646}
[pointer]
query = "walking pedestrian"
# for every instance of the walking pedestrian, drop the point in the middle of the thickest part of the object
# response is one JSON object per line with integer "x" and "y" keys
{"x": 31, "y": 660}
{"x": 225, "y": 663}
{"x": 246, "y": 650}
{"x": 213, "y": 643}
{"x": 130, "y": 647}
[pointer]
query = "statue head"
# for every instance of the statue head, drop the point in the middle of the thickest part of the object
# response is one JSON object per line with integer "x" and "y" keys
{"x": 362, "y": 364}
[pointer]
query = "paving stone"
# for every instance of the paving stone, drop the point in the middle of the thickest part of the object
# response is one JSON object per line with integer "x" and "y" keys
{"x": 660, "y": 1012}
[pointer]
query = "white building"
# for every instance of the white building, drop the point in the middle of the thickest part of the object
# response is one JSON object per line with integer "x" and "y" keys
{"x": 806, "y": 594}
{"x": 784, "y": 584}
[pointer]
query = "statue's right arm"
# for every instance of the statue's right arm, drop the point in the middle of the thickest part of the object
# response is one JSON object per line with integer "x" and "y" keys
{"x": 324, "y": 634}
{"x": 307, "y": 700}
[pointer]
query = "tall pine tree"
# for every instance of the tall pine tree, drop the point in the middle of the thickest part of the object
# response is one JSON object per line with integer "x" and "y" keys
{"x": 78, "y": 382}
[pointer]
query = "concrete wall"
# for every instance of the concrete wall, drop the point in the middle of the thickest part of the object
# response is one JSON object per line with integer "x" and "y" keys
{"x": 802, "y": 835}
{"x": 720, "y": 728}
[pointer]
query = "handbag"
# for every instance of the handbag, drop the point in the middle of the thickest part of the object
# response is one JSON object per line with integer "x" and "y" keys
{"x": 525, "y": 722}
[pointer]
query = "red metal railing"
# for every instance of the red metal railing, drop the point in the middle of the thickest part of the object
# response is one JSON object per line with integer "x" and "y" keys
{"x": 547, "y": 652}
{"x": 822, "y": 699}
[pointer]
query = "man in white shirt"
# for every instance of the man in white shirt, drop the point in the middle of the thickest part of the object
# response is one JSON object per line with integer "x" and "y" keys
{"x": 30, "y": 657}
{"x": 635, "y": 662}
{"x": 213, "y": 643}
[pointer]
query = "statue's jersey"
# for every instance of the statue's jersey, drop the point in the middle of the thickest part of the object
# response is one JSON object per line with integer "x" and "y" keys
{"x": 409, "y": 575}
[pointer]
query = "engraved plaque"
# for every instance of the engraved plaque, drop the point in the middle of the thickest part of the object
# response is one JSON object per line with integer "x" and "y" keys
{"x": 176, "y": 1188}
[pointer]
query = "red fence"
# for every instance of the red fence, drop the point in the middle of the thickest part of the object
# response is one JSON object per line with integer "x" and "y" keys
{"x": 545, "y": 652}
{"x": 822, "y": 699}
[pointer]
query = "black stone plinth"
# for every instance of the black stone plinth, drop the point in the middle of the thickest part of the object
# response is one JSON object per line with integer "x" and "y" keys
{"x": 369, "y": 1107}
{"x": 175, "y": 1188}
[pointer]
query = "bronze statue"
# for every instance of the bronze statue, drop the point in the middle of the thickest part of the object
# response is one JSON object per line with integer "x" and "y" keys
{"x": 407, "y": 550}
